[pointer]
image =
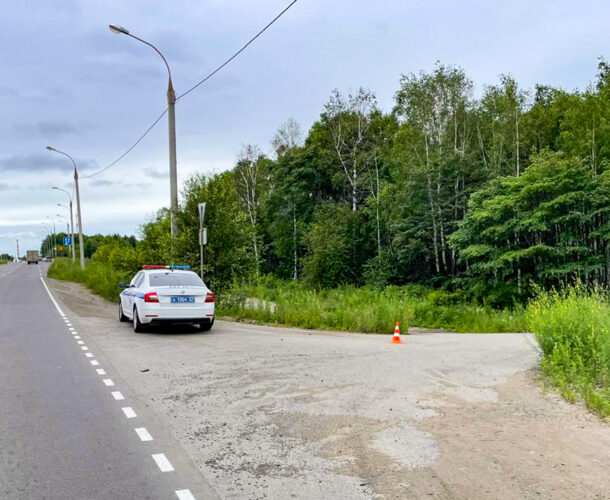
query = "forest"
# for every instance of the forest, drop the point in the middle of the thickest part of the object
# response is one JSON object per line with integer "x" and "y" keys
{"x": 489, "y": 197}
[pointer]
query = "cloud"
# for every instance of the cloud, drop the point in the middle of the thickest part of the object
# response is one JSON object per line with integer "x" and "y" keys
{"x": 47, "y": 129}
{"x": 156, "y": 174}
{"x": 130, "y": 185}
{"x": 40, "y": 162}
{"x": 8, "y": 92}
{"x": 17, "y": 235}
{"x": 103, "y": 183}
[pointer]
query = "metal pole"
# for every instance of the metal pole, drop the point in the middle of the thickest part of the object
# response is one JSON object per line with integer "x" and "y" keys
{"x": 80, "y": 222}
{"x": 54, "y": 238}
{"x": 71, "y": 228}
{"x": 201, "y": 252}
{"x": 72, "y": 231}
{"x": 173, "y": 176}
{"x": 53, "y": 248}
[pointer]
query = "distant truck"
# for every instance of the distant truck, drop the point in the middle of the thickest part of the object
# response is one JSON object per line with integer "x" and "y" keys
{"x": 32, "y": 257}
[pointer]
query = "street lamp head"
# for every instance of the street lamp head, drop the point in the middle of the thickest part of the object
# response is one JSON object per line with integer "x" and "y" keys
{"x": 119, "y": 30}
{"x": 50, "y": 148}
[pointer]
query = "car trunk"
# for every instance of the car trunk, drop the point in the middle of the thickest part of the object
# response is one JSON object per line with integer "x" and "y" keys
{"x": 180, "y": 296}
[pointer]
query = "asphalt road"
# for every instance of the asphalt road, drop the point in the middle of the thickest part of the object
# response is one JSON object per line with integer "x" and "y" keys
{"x": 70, "y": 428}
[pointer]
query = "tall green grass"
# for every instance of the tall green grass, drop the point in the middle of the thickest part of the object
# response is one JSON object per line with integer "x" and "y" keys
{"x": 573, "y": 329}
{"x": 100, "y": 278}
{"x": 364, "y": 309}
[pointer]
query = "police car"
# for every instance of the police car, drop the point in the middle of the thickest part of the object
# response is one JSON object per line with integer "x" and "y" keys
{"x": 166, "y": 295}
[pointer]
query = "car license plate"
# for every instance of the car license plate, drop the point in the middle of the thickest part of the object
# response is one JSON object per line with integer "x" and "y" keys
{"x": 183, "y": 299}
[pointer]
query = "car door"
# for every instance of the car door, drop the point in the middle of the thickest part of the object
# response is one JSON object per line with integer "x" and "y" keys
{"x": 131, "y": 293}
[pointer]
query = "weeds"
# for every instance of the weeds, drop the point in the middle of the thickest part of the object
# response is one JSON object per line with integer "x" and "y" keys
{"x": 573, "y": 329}
{"x": 100, "y": 278}
{"x": 364, "y": 309}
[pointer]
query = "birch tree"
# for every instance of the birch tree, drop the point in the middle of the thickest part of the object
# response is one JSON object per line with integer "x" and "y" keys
{"x": 349, "y": 118}
{"x": 252, "y": 183}
{"x": 434, "y": 109}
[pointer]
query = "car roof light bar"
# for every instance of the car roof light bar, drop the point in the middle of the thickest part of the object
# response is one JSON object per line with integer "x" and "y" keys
{"x": 154, "y": 266}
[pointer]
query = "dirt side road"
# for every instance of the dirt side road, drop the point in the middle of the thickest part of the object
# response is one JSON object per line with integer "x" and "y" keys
{"x": 285, "y": 413}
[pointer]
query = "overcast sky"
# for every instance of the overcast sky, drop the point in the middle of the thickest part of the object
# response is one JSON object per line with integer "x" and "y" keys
{"x": 69, "y": 82}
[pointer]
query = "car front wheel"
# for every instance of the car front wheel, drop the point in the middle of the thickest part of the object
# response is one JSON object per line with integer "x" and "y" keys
{"x": 137, "y": 326}
{"x": 122, "y": 317}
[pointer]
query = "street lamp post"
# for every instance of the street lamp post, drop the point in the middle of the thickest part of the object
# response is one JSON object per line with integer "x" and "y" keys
{"x": 171, "y": 117}
{"x": 54, "y": 235}
{"x": 81, "y": 247}
{"x": 71, "y": 220}
{"x": 47, "y": 234}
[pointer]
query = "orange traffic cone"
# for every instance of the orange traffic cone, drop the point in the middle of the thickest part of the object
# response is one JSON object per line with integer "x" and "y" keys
{"x": 396, "y": 337}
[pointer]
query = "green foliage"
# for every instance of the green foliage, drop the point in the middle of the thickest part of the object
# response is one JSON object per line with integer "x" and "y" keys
{"x": 363, "y": 309}
{"x": 542, "y": 226}
{"x": 338, "y": 245}
{"x": 228, "y": 255}
{"x": 100, "y": 277}
{"x": 573, "y": 329}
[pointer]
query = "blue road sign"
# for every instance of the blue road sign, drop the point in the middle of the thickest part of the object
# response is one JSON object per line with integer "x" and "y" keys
{"x": 67, "y": 241}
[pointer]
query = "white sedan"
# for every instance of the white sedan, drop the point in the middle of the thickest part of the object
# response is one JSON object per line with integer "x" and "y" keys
{"x": 166, "y": 295}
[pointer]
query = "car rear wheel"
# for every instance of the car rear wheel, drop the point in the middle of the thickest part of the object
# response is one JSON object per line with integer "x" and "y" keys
{"x": 206, "y": 327}
{"x": 137, "y": 326}
{"x": 122, "y": 317}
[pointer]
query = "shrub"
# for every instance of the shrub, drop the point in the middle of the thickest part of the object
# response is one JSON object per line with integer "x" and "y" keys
{"x": 363, "y": 309}
{"x": 573, "y": 329}
{"x": 99, "y": 277}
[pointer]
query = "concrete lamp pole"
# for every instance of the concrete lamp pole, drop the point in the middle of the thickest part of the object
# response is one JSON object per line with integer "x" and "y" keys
{"x": 54, "y": 235}
{"x": 81, "y": 247}
{"x": 67, "y": 223}
{"x": 171, "y": 116}
{"x": 71, "y": 220}
{"x": 47, "y": 234}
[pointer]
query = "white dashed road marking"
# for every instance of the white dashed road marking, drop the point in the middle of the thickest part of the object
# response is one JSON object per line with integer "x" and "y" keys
{"x": 129, "y": 413}
{"x": 80, "y": 342}
{"x": 184, "y": 495}
{"x": 144, "y": 434}
{"x": 162, "y": 462}
{"x": 160, "y": 459}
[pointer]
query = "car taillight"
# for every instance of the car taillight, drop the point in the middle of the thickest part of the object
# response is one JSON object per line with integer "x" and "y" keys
{"x": 209, "y": 297}
{"x": 151, "y": 297}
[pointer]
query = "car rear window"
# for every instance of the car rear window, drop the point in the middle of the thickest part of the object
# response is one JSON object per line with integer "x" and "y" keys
{"x": 175, "y": 279}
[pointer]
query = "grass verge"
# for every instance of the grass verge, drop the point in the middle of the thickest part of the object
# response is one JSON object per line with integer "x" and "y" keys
{"x": 573, "y": 329}
{"x": 100, "y": 278}
{"x": 364, "y": 309}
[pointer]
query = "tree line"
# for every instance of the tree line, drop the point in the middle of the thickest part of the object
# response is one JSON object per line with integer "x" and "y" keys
{"x": 488, "y": 196}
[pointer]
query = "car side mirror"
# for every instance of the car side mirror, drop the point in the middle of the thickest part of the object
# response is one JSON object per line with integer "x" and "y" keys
{"x": 122, "y": 284}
